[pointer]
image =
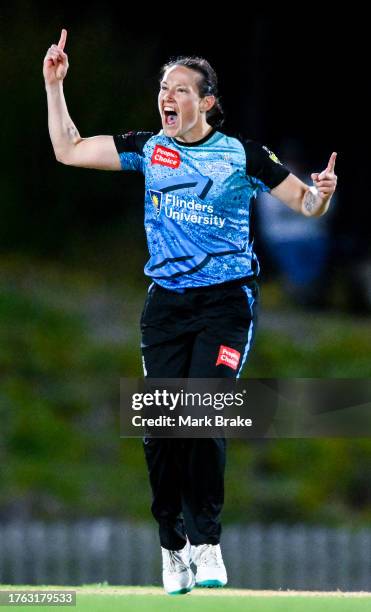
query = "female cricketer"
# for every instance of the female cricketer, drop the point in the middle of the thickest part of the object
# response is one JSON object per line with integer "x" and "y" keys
{"x": 199, "y": 315}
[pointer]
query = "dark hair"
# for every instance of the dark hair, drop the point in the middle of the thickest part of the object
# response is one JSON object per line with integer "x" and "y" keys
{"x": 207, "y": 85}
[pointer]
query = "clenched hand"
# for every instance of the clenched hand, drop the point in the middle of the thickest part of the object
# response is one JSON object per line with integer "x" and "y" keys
{"x": 56, "y": 62}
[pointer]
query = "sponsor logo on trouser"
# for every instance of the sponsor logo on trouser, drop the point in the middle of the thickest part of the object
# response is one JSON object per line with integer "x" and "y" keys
{"x": 228, "y": 356}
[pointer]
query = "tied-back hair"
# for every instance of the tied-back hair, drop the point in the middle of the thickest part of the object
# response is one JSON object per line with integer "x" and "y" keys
{"x": 207, "y": 84}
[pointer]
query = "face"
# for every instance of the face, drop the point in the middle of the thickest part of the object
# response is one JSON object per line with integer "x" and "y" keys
{"x": 183, "y": 112}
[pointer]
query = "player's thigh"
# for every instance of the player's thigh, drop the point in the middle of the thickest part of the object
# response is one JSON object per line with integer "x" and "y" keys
{"x": 221, "y": 349}
{"x": 168, "y": 359}
{"x": 165, "y": 345}
{"x": 214, "y": 357}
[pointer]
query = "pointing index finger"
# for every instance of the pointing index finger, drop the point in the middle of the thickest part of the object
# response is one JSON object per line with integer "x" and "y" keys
{"x": 62, "y": 40}
{"x": 331, "y": 163}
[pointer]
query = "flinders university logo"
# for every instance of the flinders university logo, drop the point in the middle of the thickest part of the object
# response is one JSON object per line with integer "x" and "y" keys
{"x": 156, "y": 197}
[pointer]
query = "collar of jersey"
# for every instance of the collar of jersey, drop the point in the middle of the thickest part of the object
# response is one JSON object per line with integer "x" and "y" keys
{"x": 197, "y": 142}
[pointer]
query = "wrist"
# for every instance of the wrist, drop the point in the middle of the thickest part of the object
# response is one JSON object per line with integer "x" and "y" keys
{"x": 55, "y": 87}
{"x": 313, "y": 204}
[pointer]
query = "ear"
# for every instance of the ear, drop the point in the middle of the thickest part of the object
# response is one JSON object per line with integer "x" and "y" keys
{"x": 207, "y": 103}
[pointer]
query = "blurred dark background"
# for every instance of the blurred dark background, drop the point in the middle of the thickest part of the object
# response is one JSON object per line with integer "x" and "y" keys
{"x": 73, "y": 250}
{"x": 281, "y": 76}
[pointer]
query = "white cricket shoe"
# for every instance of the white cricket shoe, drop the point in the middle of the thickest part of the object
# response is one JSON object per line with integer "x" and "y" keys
{"x": 211, "y": 570}
{"x": 177, "y": 575}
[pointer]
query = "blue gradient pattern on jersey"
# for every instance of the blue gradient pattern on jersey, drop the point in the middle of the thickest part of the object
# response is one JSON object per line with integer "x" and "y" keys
{"x": 197, "y": 215}
{"x": 131, "y": 161}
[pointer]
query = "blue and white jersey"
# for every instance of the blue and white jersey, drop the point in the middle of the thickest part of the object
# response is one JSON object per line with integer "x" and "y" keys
{"x": 198, "y": 204}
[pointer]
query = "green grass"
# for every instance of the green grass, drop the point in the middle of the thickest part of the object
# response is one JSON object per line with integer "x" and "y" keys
{"x": 156, "y": 603}
{"x": 101, "y": 599}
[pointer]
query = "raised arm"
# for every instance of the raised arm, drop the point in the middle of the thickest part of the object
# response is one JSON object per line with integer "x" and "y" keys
{"x": 69, "y": 147}
{"x": 310, "y": 201}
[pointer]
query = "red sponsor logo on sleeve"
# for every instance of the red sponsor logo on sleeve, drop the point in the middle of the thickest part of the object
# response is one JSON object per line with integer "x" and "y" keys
{"x": 165, "y": 157}
{"x": 228, "y": 357}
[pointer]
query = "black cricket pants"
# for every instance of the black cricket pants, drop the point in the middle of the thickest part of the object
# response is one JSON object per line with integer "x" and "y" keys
{"x": 205, "y": 332}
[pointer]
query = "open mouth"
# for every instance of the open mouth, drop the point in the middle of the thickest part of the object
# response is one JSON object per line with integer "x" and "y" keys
{"x": 171, "y": 116}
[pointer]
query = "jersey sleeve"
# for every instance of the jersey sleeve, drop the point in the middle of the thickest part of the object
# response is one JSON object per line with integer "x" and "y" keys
{"x": 130, "y": 149}
{"x": 263, "y": 167}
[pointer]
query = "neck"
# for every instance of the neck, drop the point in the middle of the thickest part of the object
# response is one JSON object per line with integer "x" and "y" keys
{"x": 197, "y": 133}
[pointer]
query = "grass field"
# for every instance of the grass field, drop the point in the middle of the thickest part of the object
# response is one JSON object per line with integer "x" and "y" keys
{"x": 93, "y": 598}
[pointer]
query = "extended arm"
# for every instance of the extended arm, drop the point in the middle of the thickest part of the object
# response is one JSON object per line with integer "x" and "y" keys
{"x": 69, "y": 147}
